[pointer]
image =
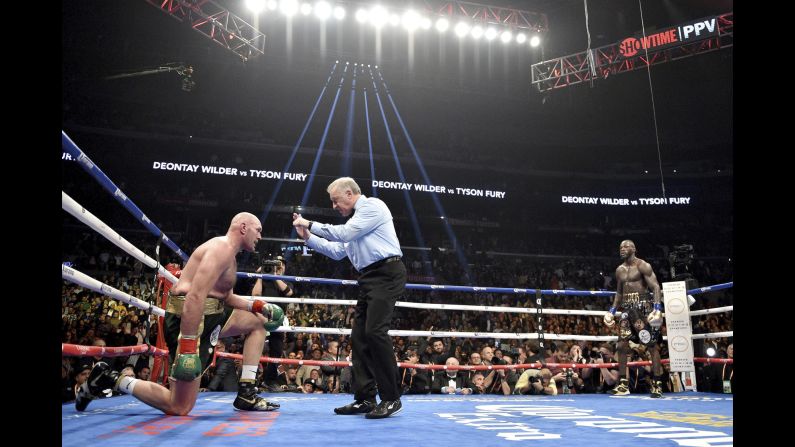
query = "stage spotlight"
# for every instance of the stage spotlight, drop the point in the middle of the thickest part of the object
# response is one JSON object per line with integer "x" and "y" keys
{"x": 477, "y": 32}
{"x": 339, "y": 12}
{"x": 272, "y": 5}
{"x": 322, "y": 10}
{"x": 506, "y": 36}
{"x": 442, "y": 25}
{"x": 255, "y": 5}
{"x": 411, "y": 20}
{"x": 490, "y": 33}
{"x": 535, "y": 41}
{"x": 394, "y": 19}
{"x": 378, "y": 16}
{"x": 362, "y": 15}
{"x": 288, "y": 7}
{"x": 461, "y": 29}
{"x": 521, "y": 38}
{"x": 425, "y": 23}
{"x": 306, "y": 9}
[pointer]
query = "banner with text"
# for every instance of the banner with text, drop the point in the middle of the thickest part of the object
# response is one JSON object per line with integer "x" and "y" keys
{"x": 625, "y": 201}
{"x": 302, "y": 177}
{"x": 667, "y": 37}
{"x": 677, "y": 321}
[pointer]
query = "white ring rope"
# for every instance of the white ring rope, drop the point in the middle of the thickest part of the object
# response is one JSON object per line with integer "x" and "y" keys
{"x": 711, "y": 335}
{"x": 527, "y": 310}
{"x": 70, "y": 274}
{"x": 714, "y": 310}
{"x": 500, "y": 335}
{"x": 83, "y": 215}
{"x": 86, "y": 281}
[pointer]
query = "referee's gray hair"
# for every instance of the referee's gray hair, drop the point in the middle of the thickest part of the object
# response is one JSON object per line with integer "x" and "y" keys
{"x": 344, "y": 183}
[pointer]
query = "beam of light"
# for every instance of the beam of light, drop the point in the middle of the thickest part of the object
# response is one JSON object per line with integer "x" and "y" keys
{"x": 289, "y": 163}
{"x": 434, "y": 196}
{"x": 322, "y": 144}
{"x": 347, "y": 144}
{"x": 415, "y": 224}
{"x": 370, "y": 141}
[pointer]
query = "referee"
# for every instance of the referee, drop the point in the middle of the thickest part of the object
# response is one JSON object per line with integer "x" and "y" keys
{"x": 369, "y": 240}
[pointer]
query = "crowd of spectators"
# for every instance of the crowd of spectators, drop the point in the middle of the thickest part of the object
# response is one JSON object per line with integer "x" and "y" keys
{"x": 90, "y": 318}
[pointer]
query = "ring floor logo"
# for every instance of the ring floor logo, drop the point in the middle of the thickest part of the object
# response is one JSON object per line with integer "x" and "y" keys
{"x": 524, "y": 422}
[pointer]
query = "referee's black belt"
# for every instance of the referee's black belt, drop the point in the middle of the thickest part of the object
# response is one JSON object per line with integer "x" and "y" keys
{"x": 377, "y": 264}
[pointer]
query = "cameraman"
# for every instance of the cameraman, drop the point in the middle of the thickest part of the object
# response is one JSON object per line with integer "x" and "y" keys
{"x": 536, "y": 381}
{"x": 591, "y": 377}
{"x": 277, "y": 287}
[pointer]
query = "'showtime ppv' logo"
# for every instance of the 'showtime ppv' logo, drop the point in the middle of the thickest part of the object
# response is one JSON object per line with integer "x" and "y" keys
{"x": 698, "y": 30}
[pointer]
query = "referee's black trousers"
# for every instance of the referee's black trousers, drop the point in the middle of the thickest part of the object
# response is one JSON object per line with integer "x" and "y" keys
{"x": 373, "y": 359}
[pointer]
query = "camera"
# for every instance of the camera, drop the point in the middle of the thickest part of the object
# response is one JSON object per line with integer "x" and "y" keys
{"x": 680, "y": 258}
{"x": 681, "y": 255}
{"x": 270, "y": 263}
{"x": 510, "y": 350}
{"x": 569, "y": 377}
{"x": 269, "y": 266}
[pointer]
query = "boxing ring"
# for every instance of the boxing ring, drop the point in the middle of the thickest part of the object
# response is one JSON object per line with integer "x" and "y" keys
{"x": 687, "y": 419}
{"x": 684, "y": 418}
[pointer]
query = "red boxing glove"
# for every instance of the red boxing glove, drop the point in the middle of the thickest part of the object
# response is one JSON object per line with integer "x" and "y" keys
{"x": 259, "y": 306}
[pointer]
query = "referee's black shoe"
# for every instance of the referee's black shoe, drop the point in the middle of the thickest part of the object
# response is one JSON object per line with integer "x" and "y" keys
{"x": 385, "y": 409}
{"x": 358, "y": 407}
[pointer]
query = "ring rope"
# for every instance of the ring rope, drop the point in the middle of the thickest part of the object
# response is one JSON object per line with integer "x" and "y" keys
{"x": 713, "y": 310}
{"x": 77, "y": 277}
{"x": 500, "y": 335}
{"x": 525, "y": 310}
{"x": 83, "y": 215}
{"x": 93, "y": 170}
{"x": 535, "y": 365}
{"x": 452, "y": 288}
{"x": 89, "y": 219}
{"x": 84, "y": 280}
{"x": 69, "y": 349}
